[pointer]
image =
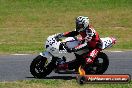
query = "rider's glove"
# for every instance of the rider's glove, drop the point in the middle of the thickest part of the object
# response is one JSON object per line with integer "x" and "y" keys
{"x": 59, "y": 35}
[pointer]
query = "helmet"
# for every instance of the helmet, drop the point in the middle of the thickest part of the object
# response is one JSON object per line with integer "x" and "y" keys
{"x": 82, "y": 23}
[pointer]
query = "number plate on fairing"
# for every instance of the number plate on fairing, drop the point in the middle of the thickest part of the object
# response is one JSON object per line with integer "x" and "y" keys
{"x": 106, "y": 42}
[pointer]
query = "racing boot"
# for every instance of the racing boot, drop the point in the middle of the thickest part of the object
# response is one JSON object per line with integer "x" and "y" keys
{"x": 92, "y": 55}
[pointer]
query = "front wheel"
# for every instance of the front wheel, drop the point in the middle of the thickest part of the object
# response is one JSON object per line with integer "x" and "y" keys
{"x": 40, "y": 67}
{"x": 99, "y": 66}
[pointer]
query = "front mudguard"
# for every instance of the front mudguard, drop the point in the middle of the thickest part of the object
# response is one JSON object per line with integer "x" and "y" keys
{"x": 50, "y": 59}
{"x": 46, "y": 55}
{"x": 49, "y": 56}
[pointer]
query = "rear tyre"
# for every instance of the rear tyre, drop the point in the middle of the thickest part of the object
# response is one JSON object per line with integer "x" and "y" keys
{"x": 99, "y": 66}
{"x": 40, "y": 68}
{"x": 102, "y": 66}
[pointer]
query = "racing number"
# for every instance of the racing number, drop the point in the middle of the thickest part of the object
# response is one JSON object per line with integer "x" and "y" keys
{"x": 52, "y": 41}
{"x": 107, "y": 43}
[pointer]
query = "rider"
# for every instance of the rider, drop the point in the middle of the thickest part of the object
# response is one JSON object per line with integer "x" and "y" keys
{"x": 90, "y": 39}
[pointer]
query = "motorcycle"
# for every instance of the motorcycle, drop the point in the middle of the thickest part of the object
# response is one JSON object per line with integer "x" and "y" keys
{"x": 57, "y": 54}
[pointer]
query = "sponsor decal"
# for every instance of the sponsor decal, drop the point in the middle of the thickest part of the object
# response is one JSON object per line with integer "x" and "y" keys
{"x": 105, "y": 78}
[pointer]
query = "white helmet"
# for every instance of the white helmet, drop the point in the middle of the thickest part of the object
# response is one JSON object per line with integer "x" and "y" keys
{"x": 82, "y": 23}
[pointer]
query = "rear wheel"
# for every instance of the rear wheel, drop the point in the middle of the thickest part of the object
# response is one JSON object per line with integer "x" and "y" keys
{"x": 40, "y": 67}
{"x": 99, "y": 66}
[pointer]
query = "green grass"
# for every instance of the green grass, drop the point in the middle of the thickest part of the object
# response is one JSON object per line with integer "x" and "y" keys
{"x": 58, "y": 84}
{"x": 25, "y": 24}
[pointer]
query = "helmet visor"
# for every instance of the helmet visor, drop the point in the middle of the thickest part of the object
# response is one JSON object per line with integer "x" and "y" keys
{"x": 79, "y": 26}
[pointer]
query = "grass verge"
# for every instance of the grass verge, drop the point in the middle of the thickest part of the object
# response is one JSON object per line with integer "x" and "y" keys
{"x": 25, "y": 24}
{"x": 58, "y": 84}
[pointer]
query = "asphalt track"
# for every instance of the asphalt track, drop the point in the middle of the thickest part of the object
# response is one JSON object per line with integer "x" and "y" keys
{"x": 16, "y": 67}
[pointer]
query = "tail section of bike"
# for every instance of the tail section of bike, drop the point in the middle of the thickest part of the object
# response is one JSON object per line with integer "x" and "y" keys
{"x": 107, "y": 42}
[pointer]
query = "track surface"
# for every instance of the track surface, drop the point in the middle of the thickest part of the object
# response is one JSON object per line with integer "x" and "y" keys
{"x": 13, "y": 67}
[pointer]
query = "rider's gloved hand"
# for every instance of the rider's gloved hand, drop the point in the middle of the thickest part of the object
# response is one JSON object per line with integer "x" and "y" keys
{"x": 58, "y": 36}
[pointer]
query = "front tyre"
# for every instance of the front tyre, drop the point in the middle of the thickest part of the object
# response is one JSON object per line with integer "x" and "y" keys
{"x": 40, "y": 68}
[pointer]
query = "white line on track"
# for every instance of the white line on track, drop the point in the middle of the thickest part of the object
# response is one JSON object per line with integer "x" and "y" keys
{"x": 20, "y": 54}
{"x": 116, "y": 51}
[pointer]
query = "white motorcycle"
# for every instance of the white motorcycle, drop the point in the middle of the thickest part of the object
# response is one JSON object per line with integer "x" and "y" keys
{"x": 56, "y": 54}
